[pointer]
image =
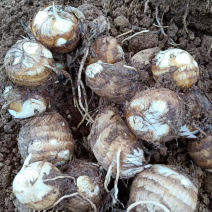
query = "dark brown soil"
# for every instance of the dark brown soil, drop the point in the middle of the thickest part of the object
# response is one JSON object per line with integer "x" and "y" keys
{"x": 123, "y": 15}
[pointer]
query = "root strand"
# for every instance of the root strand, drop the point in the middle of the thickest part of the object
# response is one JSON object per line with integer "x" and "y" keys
{"x": 107, "y": 178}
{"x": 60, "y": 177}
{"x": 126, "y": 33}
{"x": 117, "y": 176}
{"x": 137, "y": 33}
{"x": 185, "y": 16}
{"x": 64, "y": 197}
{"x": 92, "y": 204}
{"x": 2, "y": 67}
{"x": 147, "y": 202}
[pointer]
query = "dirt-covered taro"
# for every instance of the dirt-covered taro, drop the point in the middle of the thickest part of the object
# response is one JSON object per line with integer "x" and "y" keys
{"x": 198, "y": 104}
{"x": 182, "y": 66}
{"x": 25, "y": 104}
{"x": 89, "y": 186}
{"x": 31, "y": 190}
{"x": 142, "y": 61}
{"x": 27, "y": 63}
{"x": 162, "y": 188}
{"x": 47, "y": 138}
{"x": 155, "y": 115}
{"x": 57, "y": 29}
{"x": 116, "y": 82}
{"x": 106, "y": 49}
{"x": 115, "y": 146}
{"x": 41, "y": 186}
{"x": 200, "y": 150}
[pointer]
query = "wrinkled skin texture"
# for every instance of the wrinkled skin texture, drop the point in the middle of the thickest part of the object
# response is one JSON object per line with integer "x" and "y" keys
{"x": 172, "y": 116}
{"x": 142, "y": 61}
{"x": 19, "y": 72}
{"x": 47, "y": 138}
{"x": 163, "y": 185}
{"x": 50, "y": 39}
{"x": 107, "y": 49}
{"x": 198, "y": 103}
{"x": 115, "y": 82}
{"x": 200, "y": 151}
{"x": 185, "y": 72}
{"x": 109, "y": 133}
{"x": 88, "y": 170}
{"x": 31, "y": 189}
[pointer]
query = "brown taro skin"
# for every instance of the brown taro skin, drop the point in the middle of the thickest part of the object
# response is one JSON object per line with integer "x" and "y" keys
{"x": 200, "y": 151}
{"x": 82, "y": 170}
{"x": 107, "y": 49}
{"x": 146, "y": 120}
{"x": 20, "y": 73}
{"x": 47, "y": 138}
{"x": 50, "y": 40}
{"x": 109, "y": 133}
{"x": 182, "y": 66}
{"x": 164, "y": 185}
{"x": 198, "y": 104}
{"x": 113, "y": 81}
{"x": 142, "y": 61}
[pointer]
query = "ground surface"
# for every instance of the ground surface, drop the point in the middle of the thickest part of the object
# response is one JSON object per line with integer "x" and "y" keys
{"x": 123, "y": 16}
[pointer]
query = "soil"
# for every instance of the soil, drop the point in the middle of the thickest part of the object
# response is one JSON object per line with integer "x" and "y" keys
{"x": 123, "y": 15}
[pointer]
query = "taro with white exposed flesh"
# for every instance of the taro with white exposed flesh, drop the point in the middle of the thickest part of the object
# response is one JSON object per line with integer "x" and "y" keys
{"x": 56, "y": 29}
{"x": 27, "y": 63}
{"x": 182, "y": 66}
{"x": 156, "y": 115}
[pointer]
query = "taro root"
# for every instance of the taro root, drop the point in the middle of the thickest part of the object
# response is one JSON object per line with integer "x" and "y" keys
{"x": 56, "y": 28}
{"x": 23, "y": 104}
{"x": 30, "y": 188}
{"x": 47, "y": 138}
{"x": 106, "y": 49}
{"x": 179, "y": 63}
{"x": 142, "y": 61}
{"x": 116, "y": 82}
{"x": 111, "y": 141}
{"x": 155, "y": 115}
{"x": 29, "y": 106}
{"x": 89, "y": 186}
{"x": 198, "y": 103}
{"x": 42, "y": 186}
{"x": 200, "y": 151}
{"x": 163, "y": 189}
{"x": 27, "y": 63}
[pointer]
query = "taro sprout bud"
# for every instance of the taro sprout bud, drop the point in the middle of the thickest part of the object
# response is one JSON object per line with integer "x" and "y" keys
{"x": 113, "y": 81}
{"x": 160, "y": 187}
{"x": 47, "y": 138}
{"x": 89, "y": 185}
{"x": 201, "y": 152}
{"x": 179, "y": 63}
{"x": 56, "y": 29}
{"x": 31, "y": 190}
{"x": 156, "y": 115}
{"x": 107, "y": 49}
{"x": 27, "y": 63}
{"x": 29, "y": 106}
{"x": 111, "y": 141}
